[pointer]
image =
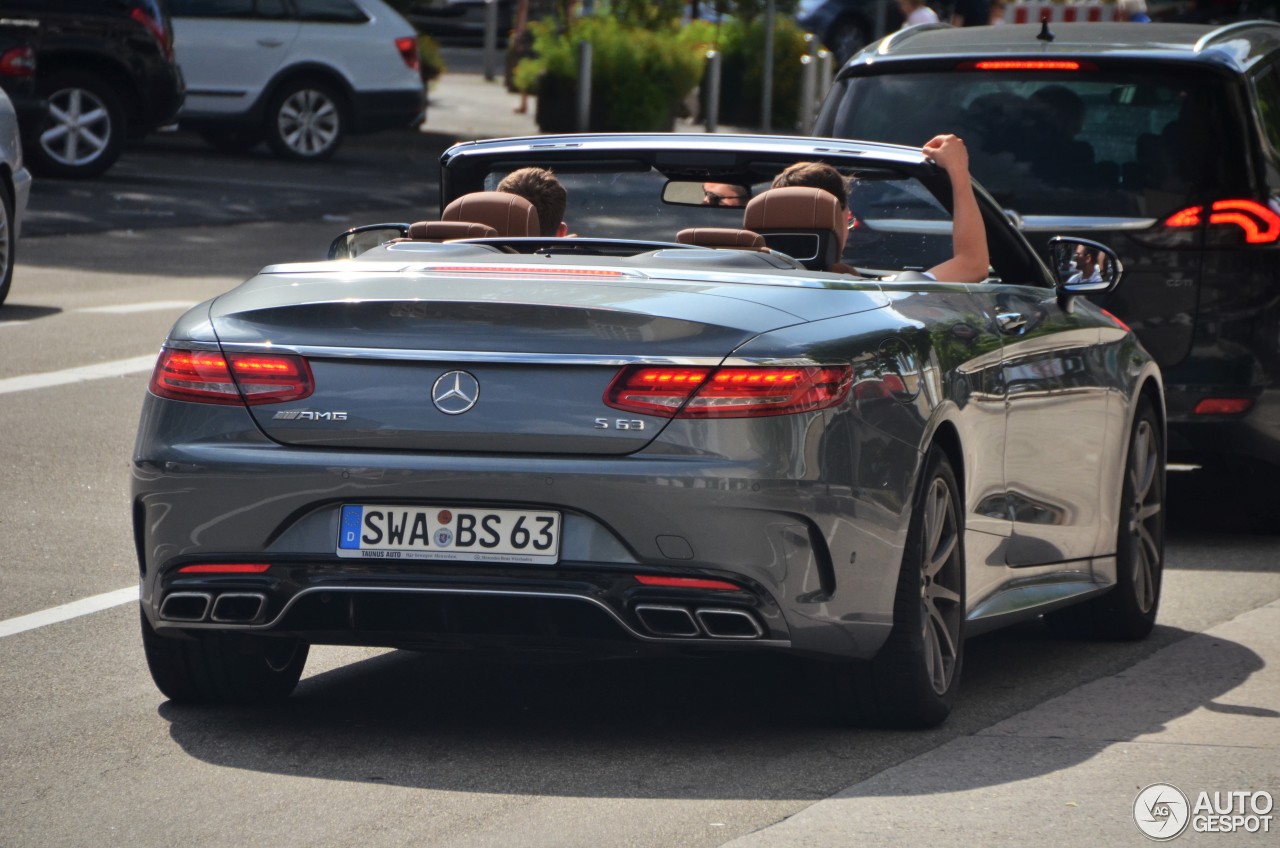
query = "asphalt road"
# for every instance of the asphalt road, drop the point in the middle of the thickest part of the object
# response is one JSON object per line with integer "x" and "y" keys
{"x": 376, "y": 747}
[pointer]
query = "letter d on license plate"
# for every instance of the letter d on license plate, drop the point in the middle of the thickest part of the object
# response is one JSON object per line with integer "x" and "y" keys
{"x": 370, "y": 531}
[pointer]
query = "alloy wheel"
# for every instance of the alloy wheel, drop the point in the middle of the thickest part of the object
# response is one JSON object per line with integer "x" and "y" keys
{"x": 309, "y": 122}
{"x": 939, "y": 595}
{"x": 80, "y": 127}
{"x": 1145, "y": 515}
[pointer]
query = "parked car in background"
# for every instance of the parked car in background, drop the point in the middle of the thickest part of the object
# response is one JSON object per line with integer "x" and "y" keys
{"x": 18, "y": 67}
{"x": 105, "y": 72}
{"x": 654, "y": 436}
{"x": 15, "y": 188}
{"x": 1162, "y": 140}
{"x": 299, "y": 74}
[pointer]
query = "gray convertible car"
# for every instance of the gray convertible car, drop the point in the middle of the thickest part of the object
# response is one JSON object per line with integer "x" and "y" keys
{"x": 670, "y": 431}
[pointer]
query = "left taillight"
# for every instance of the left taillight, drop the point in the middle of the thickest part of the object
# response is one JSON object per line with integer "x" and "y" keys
{"x": 18, "y": 62}
{"x": 209, "y": 377}
{"x": 730, "y": 392}
{"x": 408, "y": 47}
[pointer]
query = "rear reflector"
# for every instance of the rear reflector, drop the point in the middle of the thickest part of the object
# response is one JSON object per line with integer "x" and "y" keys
{"x": 1223, "y": 406}
{"x": 738, "y": 392}
{"x": 685, "y": 582}
{"x": 226, "y": 568}
{"x": 156, "y": 28}
{"x": 408, "y": 47}
{"x": 209, "y": 377}
{"x": 1258, "y": 222}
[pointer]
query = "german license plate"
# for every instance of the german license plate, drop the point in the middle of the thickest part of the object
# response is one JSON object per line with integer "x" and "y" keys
{"x": 370, "y": 531}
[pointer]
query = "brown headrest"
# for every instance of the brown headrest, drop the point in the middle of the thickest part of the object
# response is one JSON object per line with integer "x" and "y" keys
{"x": 510, "y": 214}
{"x": 794, "y": 207}
{"x": 446, "y": 230}
{"x": 721, "y": 237}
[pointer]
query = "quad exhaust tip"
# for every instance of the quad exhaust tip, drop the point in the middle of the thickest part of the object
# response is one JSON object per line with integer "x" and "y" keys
{"x": 679, "y": 622}
{"x": 186, "y": 606}
{"x": 238, "y": 607}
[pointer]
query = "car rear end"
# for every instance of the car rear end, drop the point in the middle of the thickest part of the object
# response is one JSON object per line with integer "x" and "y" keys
{"x": 545, "y": 454}
{"x": 148, "y": 37}
{"x": 1154, "y": 150}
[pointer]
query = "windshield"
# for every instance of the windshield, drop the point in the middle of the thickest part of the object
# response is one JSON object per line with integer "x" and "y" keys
{"x": 1088, "y": 144}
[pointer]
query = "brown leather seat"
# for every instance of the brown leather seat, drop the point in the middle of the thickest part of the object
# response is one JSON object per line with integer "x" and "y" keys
{"x": 804, "y": 223}
{"x": 510, "y": 214}
{"x": 721, "y": 237}
{"x": 448, "y": 230}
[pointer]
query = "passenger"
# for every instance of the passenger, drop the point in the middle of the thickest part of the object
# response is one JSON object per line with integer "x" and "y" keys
{"x": 971, "y": 261}
{"x": 1087, "y": 268}
{"x": 724, "y": 194}
{"x": 541, "y": 188}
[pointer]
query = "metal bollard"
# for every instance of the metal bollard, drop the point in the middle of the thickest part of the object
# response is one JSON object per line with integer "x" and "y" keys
{"x": 825, "y": 73}
{"x": 766, "y": 76}
{"x": 584, "y": 85}
{"x": 712, "y": 115}
{"x": 490, "y": 39}
{"x": 808, "y": 98}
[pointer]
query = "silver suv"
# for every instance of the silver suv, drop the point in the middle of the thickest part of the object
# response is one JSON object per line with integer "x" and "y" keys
{"x": 300, "y": 74}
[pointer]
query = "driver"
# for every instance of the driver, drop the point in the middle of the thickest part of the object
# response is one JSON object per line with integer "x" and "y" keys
{"x": 971, "y": 261}
{"x": 541, "y": 188}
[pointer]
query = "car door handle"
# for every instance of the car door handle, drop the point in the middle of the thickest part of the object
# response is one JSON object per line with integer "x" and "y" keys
{"x": 270, "y": 42}
{"x": 1011, "y": 322}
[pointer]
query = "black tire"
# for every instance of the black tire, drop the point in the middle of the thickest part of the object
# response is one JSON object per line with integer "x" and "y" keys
{"x": 912, "y": 681}
{"x": 8, "y": 239}
{"x": 223, "y": 668}
{"x": 84, "y": 129}
{"x": 306, "y": 121}
{"x": 1128, "y": 611}
{"x": 232, "y": 141}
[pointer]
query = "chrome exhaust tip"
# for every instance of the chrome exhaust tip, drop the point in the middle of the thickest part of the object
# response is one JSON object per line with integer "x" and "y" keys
{"x": 729, "y": 624}
{"x": 185, "y": 606}
{"x": 238, "y": 607}
{"x": 667, "y": 621}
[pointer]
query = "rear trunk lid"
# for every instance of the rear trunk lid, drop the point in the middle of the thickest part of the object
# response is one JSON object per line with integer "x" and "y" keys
{"x": 494, "y": 362}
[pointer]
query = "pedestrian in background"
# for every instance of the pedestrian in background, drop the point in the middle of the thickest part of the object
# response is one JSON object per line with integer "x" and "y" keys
{"x": 1133, "y": 11}
{"x": 971, "y": 13}
{"x": 916, "y": 12}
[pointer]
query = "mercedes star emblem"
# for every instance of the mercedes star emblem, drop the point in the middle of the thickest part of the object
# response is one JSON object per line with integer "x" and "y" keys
{"x": 455, "y": 392}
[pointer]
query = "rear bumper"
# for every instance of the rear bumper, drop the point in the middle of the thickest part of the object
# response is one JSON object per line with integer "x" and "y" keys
{"x": 382, "y": 110}
{"x": 1209, "y": 439}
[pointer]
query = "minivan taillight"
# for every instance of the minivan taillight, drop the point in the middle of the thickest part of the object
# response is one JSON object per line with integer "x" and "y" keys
{"x": 18, "y": 62}
{"x": 209, "y": 377}
{"x": 730, "y": 392}
{"x": 1257, "y": 222}
{"x": 408, "y": 47}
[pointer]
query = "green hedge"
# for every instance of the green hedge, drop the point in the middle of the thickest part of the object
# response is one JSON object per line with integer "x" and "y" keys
{"x": 741, "y": 46}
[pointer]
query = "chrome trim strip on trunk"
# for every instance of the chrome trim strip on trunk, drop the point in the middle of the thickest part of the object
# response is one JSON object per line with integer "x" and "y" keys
{"x": 1076, "y": 224}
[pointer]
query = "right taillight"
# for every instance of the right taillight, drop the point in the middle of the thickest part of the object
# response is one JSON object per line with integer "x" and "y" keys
{"x": 728, "y": 392}
{"x": 18, "y": 62}
{"x": 1257, "y": 223}
{"x": 408, "y": 49}
{"x": 209, "y": 377}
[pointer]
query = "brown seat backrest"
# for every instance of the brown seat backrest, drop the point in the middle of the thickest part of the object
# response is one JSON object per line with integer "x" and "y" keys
{"x": 721, "y": 237}
{"x": 801, "y": 222}
{"x": 446, "y": 230}
{"x": 510, "y": 214}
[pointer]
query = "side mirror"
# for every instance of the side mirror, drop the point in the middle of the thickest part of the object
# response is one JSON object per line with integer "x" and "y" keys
{"x": 1081, "y": 266}
{"x": 357, "y": 240}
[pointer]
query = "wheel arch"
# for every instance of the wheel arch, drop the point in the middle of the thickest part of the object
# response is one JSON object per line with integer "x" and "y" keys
{"x": 947, "y": 438}
{"x": 309, "y": 71}
{"x": 106, "y": 68}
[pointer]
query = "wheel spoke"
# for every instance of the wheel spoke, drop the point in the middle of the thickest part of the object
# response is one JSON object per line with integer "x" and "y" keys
{"x": 942, "y": 555}
{"x": 938, "y": 592}
{"x": 1148, "y": 511}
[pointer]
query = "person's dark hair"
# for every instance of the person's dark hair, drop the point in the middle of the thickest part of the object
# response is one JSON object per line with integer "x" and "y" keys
{"x": 541, "y": 188}
{"x": 815, "y": 175}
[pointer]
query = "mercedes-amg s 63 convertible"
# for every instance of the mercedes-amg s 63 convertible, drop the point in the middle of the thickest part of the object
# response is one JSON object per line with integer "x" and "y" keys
{"x": 718, "y": 416}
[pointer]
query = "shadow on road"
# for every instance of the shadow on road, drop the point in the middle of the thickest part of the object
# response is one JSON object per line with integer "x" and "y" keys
{"x": 739, "y": 727}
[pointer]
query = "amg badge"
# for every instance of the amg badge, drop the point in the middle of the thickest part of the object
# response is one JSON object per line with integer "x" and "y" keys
{"x": 308, "y": 415}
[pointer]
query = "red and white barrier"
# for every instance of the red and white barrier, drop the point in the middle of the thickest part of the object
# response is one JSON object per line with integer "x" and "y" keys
{"x": 1033, "y": 13}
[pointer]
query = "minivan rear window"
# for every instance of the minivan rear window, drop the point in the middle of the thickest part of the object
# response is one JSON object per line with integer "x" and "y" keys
{"x": 1050, "y": 143}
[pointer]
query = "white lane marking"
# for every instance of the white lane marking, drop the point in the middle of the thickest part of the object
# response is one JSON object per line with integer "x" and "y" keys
{"x": 14, "y": 323}
{"x": 116, "y": 368}
{"x": 75, "y": 609}
{"x": 127, "y": 308}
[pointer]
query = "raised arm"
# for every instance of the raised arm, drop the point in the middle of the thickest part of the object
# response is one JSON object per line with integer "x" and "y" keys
{"x": 971, "y": 261}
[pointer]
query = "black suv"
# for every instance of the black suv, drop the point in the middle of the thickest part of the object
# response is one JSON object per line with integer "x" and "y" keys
{"x": 105, "y": 72}
{"x": 1160, "y": 140}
